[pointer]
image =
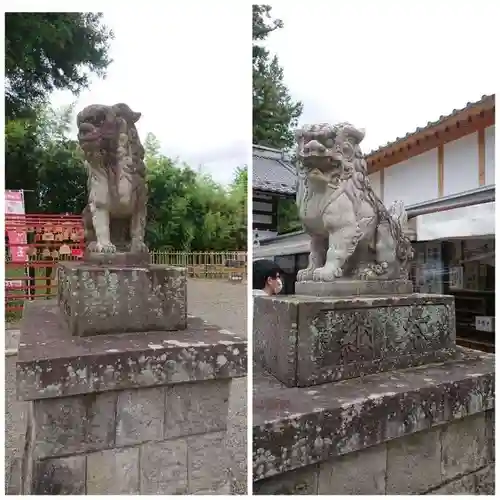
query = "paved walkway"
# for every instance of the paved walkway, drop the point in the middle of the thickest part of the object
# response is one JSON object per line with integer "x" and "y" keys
{"x": 217, "y": 302}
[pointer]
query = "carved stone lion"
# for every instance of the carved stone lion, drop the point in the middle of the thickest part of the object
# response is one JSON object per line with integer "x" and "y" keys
{"x": 115, "y": 216}
{"x": 353, "y": 235}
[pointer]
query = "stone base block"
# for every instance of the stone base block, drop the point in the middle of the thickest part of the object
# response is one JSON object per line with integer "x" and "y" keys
{"x": 420, "y": 430}
{"x": 191, "y": 465}
{"x": 100, "y": 421}
{"x": 160, "y": 440}
{"x": 137, "y": 413}
{"x": 102, "y": 299}
{"x": 347, "y": 287}
{"x": 52, "y": 364}
{"x": 305, "y": 341}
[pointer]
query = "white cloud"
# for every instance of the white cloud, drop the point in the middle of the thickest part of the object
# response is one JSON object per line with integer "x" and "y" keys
{"x": 187, "y": 70}
{"x": 387, "y": 66}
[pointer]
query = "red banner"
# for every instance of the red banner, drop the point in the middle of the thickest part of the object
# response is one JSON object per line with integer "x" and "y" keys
{"x": 77, "y": 252}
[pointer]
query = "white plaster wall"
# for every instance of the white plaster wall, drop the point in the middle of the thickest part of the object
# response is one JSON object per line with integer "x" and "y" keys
{"x": 489, "y": 153}
{"x": 463, "y": 222}
{"x": 262, "y": 206}
{"x": 375, "y": 183}
{"x": 461, "y": 165}
{"x": 412, "y": 181}
{"x": 260, "y": 235}
{"x": 262, "y": 219}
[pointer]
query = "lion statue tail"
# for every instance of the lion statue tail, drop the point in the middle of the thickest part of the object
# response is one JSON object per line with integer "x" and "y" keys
{"x": 399, "y": 215}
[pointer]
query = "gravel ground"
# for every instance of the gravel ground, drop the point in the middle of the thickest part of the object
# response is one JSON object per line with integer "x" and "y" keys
{"x": 225, "y": 304}
{"x": 218, "y": 302}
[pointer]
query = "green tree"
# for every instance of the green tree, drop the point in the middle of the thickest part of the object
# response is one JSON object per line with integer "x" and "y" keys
{"x": 188, "y": 210}
{"x": 45, "y": 51}
{"x": 54, "y": 176}
{"x": 274, "y": 111}
{"x": 62, "y": 178}
{"x": 288, "y": 216}
{"x": 21, "y": 159}
{"x": 238, "y": 196}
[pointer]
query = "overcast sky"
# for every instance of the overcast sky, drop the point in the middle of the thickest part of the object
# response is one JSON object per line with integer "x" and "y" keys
{"x": 387, "y": 66}
{"x": 188, "y": 72}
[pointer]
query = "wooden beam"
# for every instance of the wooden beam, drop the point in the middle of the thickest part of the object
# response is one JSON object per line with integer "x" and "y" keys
{"x": 440, "y": 170}
{"x": 481, "y": 165}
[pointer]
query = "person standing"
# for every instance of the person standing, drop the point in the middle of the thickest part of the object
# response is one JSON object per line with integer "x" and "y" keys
{"x": 266, "y": 278}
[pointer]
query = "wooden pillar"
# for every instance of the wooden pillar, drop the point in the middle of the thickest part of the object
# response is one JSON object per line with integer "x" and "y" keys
{"x": 382, "y": 177}
{"x": 481, "y": 164}
{"x": 440, "y": 170}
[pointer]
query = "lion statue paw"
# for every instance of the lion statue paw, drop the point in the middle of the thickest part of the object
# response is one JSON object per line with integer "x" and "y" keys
{"x": 104, "y": 248}
{"x": 327, "y": 274}
{"x": 305, "y": 274}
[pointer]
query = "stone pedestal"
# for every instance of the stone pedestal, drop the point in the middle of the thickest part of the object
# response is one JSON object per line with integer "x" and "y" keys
{"x": 307, "y": 340}
{"x": 98, "y": 299}
{"x": 416, "y": 431}
{"x": 129, "y": 395}
{"x": 368, "y": 394}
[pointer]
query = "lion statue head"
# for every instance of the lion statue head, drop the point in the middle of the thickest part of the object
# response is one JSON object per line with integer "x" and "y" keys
{"x": 102, "y": 130}
{"x": 330, "y": 152}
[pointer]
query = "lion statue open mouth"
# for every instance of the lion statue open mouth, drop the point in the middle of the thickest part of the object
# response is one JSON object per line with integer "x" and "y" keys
{"x": 115, "y": 216}
{"x": 352, "y": 233}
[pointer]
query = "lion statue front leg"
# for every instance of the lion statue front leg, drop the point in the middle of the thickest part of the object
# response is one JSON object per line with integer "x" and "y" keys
{"x": 99, "y": 202}
{"x": 317, "y": 256}
{"x": 340, "y": 221}
{"x": 341, "y": 245}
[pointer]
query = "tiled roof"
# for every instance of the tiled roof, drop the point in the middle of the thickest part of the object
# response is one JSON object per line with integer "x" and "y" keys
{"x": 272, "y": 171}
{"x": 442, "y": 118}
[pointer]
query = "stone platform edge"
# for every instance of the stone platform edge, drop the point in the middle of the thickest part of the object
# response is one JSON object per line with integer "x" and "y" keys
{"x": 350, "y": 287}
{"x": 52, "y": 363}
{"x": 297, "y": 427}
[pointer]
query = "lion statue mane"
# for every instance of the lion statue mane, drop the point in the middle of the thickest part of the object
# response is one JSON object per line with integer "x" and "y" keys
{"x": 352, "y": 234}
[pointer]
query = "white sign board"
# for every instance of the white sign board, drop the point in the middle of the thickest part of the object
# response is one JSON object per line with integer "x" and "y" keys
{"x": 485, "y": 323}
{"x": 14, "y": 202}
{"x": 457, "y": 277}
{"x": 14, "y": 205}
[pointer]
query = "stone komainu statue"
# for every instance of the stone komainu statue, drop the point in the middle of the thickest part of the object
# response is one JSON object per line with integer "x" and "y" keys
{"x": 353, "y": 235}
{"x": 115, "y": 216}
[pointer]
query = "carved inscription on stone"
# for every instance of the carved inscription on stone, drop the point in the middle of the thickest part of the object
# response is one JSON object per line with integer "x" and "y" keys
{"x": 343, "y": 337}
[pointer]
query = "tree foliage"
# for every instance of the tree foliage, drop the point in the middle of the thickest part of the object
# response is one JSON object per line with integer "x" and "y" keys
{"x": 45, "y": 51}
{"x": 288, "y": 216}
{"x": 189, "y": 211}
{"x": 41, "y": 159}
{"x": 274, "y": 111}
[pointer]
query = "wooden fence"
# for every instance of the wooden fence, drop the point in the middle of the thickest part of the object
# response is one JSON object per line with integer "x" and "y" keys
{"x": 35, "y": 279}
{"x": 206, "y": 265}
